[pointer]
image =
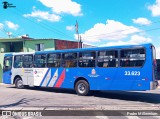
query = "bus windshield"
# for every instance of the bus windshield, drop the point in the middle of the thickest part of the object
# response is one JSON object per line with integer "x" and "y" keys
{"x": 7, "y": 63}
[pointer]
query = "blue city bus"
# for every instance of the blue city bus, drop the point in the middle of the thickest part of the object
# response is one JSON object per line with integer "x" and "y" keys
{"x": 127, "y": 68}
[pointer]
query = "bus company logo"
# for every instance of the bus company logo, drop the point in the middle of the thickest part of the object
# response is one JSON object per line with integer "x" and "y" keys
{"x": 35, "y": 72}
{"x": 39, "y": 71}
{"x": 93, "y": 73}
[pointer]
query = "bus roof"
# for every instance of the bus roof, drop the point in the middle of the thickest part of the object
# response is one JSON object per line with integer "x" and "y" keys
{"x": 95, "y": 48}
{"x": 81, "y": 49}
{"x": 18, "y": 53}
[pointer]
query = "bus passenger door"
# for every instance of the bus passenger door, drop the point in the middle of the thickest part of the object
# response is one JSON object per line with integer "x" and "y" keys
{"x": 7, "y": 67}
{"x": 27, "y": 69}
{"x": 27, "y": 74}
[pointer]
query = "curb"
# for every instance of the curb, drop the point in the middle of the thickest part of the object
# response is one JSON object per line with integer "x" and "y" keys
{"x": 3, "y": 84}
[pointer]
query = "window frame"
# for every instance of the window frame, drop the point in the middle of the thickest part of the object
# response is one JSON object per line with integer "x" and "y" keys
{"x": 39, "y": 47}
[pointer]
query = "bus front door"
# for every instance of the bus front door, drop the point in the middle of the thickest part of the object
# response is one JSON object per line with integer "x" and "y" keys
{"x": 7, "y": 67}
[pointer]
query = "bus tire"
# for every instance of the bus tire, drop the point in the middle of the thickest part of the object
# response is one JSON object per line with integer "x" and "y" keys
{"x": 19, "y": 83}
{"x": 82, "y": 88}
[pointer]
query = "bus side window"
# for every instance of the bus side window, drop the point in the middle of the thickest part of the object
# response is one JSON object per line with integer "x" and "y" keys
{"x": 40, "y": 60}
{"x": 108, "y": 58}
{"x": 87, "y": 59}
{"x": 132, "y": 57}
{"x": 18, "y": 61}
{"x": 69, "y": 60}
{"x": 53, "y": 60}
{"x": 105, "y": 64}
{"x": 91, "y": 63}
{"x": 28, "y": 61}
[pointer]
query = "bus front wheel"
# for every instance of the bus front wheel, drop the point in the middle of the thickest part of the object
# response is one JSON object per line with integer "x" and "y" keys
{"x": 19, "y": 83}
{"x": 82, "y": 88}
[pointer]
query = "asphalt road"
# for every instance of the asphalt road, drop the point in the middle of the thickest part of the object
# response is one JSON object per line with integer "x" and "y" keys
{"x": 56, "y": 99}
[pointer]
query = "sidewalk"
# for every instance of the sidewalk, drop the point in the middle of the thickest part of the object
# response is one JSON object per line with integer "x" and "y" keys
{"x": 2, "y": 84}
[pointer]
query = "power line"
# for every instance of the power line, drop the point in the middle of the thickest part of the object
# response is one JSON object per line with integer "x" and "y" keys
{"x": 45, "y": 26}
{"x": 7, "y": 32}
{"x": 132, "y": 33}
{"x": 121, "y": 30}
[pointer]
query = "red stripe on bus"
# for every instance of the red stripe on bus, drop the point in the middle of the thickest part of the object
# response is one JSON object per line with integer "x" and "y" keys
{"x": 60, "y": 80}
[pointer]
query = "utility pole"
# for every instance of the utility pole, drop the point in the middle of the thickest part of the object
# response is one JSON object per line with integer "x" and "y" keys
{"x": 80, "y": 41}
{"x": 76, "y": 28}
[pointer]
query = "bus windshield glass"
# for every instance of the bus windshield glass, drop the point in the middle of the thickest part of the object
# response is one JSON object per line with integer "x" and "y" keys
{"x": 7, "y": 63}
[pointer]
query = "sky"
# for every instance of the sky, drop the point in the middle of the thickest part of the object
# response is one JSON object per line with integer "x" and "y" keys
{"x": 100, "y": 22}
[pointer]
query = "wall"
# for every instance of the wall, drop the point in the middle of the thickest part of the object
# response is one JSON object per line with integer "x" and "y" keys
{"x": 29, "y": 45}
{"x": 62, "y": 44}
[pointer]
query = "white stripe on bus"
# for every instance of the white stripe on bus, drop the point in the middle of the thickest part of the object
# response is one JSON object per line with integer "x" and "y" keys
{"x": 47, "y": 78}
{"x": 54, "y": 79}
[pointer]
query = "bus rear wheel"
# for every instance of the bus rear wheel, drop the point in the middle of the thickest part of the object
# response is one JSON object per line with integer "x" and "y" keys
{"x": 82, "y": 88}
{"x": 19, "y": 83}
